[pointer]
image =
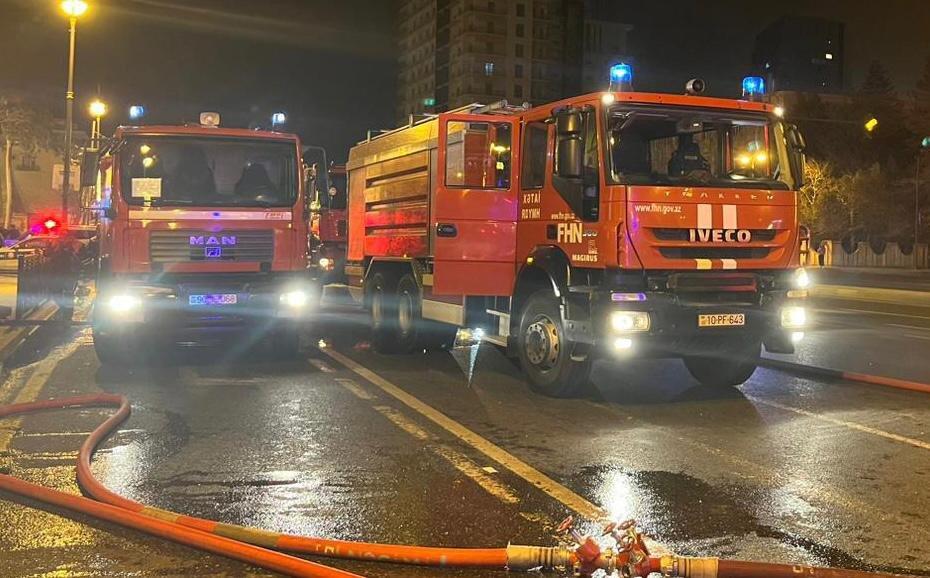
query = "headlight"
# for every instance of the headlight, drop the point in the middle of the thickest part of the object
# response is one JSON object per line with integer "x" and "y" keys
{"x": 296, "y": 299}
{"x": 623, "y": 344}
{"x": 629, "y": 321}
{"x": 801, "y": 279}
{"x": 797, "y": 336}
{"x": 793, "y": 317}
{"x": 124, "y": 303}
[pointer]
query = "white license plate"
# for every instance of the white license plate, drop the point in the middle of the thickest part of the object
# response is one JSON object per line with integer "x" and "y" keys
{"x": 722, "y": 320}
{"x": 213, "y": 299}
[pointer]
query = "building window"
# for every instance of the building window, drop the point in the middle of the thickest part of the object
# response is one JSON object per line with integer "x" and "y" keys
{"x": 490, "y": 47}
{"x": 518, "y": 91}
{"x": 521, "y": 10}
{"x": 490, "y": 27}
{"x": 520, "y": 31}
{"x": 518, "y": 70}
{"x": 488, "y": 88}
{"x": 488, "y": 68}
{"x": 518, "y": 50}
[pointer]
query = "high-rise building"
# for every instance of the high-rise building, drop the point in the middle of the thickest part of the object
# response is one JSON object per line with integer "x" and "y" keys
{"x": 801, "y": 54}
{"x": 455, "y": 52}
{"x": 605, "y": 42}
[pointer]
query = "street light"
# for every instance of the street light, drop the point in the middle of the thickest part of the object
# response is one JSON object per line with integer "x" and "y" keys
{"x": 73, "y": 9}
{"x": 924, "y": 147}
{"x": 97, "y": 110}
{"x": 871, "y": 124}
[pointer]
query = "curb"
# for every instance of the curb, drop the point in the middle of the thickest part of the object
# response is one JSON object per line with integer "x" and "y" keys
{"x": 813, "y": 371}
{"x": 873, "y": 295}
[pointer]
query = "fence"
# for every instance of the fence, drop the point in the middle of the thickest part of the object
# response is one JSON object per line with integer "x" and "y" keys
{"x": 864, "y": 256}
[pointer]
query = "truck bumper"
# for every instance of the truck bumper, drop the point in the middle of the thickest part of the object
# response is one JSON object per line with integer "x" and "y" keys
{"x": 678, "y": 328}
{"x": 202, "y": 313}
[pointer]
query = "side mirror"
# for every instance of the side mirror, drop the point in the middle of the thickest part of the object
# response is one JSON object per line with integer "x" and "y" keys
{"x": 796, "y": 148}
{"x": 90, "y": 166}
{"x": 570, "y": 158}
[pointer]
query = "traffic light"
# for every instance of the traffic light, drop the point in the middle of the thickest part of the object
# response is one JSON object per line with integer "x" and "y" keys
{"x": 925, "y": 143}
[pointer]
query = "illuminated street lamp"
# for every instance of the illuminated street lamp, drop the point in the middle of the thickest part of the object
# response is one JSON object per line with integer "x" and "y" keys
{"x": 97, "y": 110}
{"x": 871, "y": 124}
{"x": 73, "y": 9}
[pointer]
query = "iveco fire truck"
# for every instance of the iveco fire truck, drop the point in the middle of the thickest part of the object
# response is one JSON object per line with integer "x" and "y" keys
{"x": 202, "y": 235}
{"x": 618, "y": 224}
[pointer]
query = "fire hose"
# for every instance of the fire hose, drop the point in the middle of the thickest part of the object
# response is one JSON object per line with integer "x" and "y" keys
{"x": 264, "y": 548}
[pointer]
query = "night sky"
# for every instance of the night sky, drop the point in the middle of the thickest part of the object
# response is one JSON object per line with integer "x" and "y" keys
{"x": 331, "y": 65}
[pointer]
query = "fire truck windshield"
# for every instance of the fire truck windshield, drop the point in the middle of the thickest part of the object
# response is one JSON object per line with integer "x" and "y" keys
{"x": 696, "y": 147}
{"x": 208, "y": 171}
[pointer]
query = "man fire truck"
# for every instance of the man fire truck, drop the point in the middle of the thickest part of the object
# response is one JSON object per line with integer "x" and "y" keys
{"x": 203, "y": 235}
{"x": 328, "y": 226}
{"x": 617, "y": 224}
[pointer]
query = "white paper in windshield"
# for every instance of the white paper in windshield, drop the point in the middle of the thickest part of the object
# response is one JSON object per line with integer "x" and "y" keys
{"x": 148, "y": 188}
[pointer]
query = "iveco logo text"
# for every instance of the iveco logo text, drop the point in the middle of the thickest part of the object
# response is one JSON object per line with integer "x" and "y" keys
{"x": 204, "y": 240}
{"x": 719, "y": 235}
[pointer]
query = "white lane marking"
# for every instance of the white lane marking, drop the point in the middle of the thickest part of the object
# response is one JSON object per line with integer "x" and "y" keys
{"x": 729, "y": 263}
{"x": 871, "y": 312}
{"x": 464, "y": 465}
{"x": 844, "y": 423}
{"x": 33, "y": 387}
{"x": 357, "y": 390}
{"x": 729, "y": 217}
{"x": 903, "y": 326}
{"x": 546, "y": 484}
{"x": 321, "y": 365}
{"x": 705, "y": 216}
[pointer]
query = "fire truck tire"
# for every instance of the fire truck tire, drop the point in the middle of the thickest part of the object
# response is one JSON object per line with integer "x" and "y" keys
{"x": 545, "y": 355}
{"x": 384, "y": 317}
{"x": 409, "y": 321}
{"x": 729, "y": 370}
{"x": 109, "y": 350}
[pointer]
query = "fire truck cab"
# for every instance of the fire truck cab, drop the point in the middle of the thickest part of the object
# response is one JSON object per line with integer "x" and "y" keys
{"x": 616, "y": 224}
{"x": 202, "y": 236}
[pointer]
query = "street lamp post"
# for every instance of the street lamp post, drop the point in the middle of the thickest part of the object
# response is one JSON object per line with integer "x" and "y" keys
{"x": 924, "y": 147}
{"x": 74, "y": 9}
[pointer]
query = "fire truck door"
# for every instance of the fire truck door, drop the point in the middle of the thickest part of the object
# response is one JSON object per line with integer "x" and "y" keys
{"x": 474, "y": 224}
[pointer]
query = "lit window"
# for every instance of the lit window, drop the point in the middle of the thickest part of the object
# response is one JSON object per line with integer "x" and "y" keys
{"x": 488, "y": 68}
{"x": 828, "y": 56}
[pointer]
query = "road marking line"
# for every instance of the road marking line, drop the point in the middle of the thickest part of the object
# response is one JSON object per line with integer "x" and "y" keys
{"x": 903, "y": 326}
{"x": 872, "y": 312}
{"x": 543, "y": 482}
{"x": 847, "y": 424}
{"x": 321, "y": 365}
{"x": 355, "y": 388}
{"x": 464, "y": 465}
{"x": 32, "y": 388}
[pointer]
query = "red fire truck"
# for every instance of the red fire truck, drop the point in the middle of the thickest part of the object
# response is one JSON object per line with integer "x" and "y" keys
{"x": 328, "y": 226}
{"x": 617, "y": 224}
{"x": 202, "y": 235}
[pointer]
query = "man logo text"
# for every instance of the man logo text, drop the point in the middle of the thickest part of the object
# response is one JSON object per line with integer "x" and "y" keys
{"x": 719, "y": 235}
{"x": 212, "y": 240}
{"x": 569, "y": 233}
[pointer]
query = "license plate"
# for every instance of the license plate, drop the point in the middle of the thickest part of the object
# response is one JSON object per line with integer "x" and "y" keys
{"x": 213, "y": 299}
{"x": 722, "y": 320}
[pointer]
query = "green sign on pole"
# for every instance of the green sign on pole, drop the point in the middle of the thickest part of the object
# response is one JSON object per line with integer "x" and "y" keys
{"x": 429, "y": 101}
{"x": 925, "y": 143}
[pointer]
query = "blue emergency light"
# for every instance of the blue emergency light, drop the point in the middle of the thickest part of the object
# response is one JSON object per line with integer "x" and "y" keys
{"x": 621, "y": 76}
{"x": 136, "y": 111}
{"x": 278, "y": 118}
{"x": 753, "y": 86}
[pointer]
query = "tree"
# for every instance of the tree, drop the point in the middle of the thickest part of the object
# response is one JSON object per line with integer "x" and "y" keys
{"x": 23, "y": 126}
{"x": 888, "y": 143}
{"x": 920, "y": 108}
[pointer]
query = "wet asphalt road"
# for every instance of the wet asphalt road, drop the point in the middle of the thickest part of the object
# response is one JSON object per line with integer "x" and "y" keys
{"x": 783, "y": 469}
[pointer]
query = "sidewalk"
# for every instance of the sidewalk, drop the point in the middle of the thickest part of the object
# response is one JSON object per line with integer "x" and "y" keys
{"x": 889, "y": 286}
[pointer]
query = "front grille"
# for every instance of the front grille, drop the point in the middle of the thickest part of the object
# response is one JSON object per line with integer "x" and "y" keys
{"x": 714, "y": 252}
{"x": 675, "y": 234}
{"x": 255, "y": 245}
{"x": 712, "y": 282}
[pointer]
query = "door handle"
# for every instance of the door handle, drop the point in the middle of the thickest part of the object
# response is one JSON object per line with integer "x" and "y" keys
{"x": 446, "y": 230}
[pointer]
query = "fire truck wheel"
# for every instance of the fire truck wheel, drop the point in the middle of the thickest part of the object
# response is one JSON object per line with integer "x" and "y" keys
{"x": 409, "y": 314}
{"x": 384, "y": 316}
{"x": 109, "y": 350}
{"x": 545, "y": 354}
{"x": 733, "y": 367}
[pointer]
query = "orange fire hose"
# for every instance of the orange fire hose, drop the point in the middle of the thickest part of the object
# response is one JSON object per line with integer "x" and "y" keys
{"x": 252, "y": 545}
